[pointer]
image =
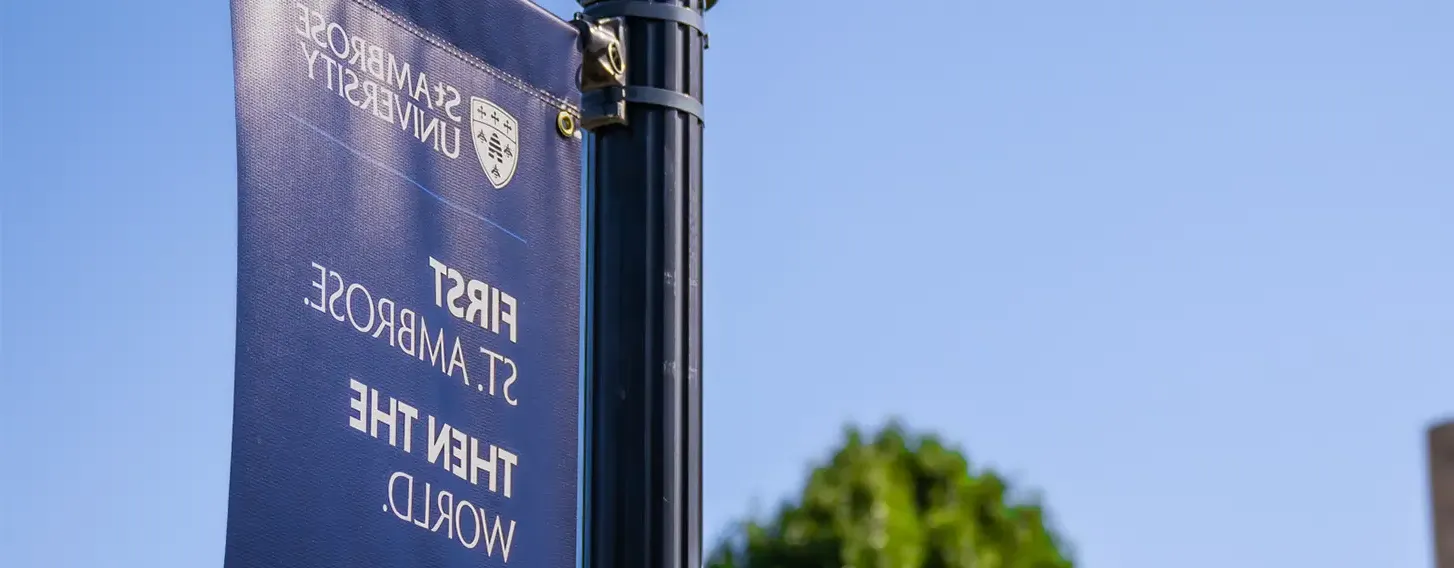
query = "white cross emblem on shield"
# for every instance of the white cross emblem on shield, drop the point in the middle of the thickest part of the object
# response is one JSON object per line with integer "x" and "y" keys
{"x": 497, "y": 140}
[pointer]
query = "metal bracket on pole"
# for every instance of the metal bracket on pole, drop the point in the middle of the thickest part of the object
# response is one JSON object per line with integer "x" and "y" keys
{"x": 604, "y": 93}
{"x": 603, "y": 71}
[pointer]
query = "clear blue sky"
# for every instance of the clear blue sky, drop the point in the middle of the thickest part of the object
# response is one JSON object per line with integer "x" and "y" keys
{"x": 1184, "y": 267}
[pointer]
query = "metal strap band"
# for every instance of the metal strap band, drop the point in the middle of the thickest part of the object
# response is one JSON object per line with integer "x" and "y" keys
{"x": 599, "y": 100}
{"x": 665, "y": 98}
{"x": 650, "y": 10}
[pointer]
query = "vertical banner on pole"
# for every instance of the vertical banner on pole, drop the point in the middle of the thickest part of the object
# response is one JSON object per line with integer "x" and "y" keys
{"x": 408, "y": 285}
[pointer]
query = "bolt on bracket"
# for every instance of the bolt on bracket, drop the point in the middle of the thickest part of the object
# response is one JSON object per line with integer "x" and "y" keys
{"x": 603, "y": 71}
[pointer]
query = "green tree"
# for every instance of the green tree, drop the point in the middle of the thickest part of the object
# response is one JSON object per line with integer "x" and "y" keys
{"x": 899, "y": 500}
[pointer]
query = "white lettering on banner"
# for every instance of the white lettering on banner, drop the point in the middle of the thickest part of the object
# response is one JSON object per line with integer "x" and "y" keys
{"x": 379, "y": 317}
{"x": 378, "y": 82}
{"x": 374, "y": 80}
{"x": 504, "y": 362}
{"x": 465, "y": 456}
{"x": 464, "y": 522}
{"x": 486, "y": 306}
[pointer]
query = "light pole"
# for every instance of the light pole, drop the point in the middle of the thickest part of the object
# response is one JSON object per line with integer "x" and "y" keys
{"x": 642, "y": 103}
{"x": 1441, "y": 491}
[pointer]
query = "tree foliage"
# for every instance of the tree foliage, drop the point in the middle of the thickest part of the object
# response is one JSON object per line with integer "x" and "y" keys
{"x": 899, "y": 500}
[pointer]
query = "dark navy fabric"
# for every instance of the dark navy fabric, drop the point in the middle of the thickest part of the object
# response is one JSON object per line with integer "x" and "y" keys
{"x": 492, "y": 30}
{"x": 328, "y": 177}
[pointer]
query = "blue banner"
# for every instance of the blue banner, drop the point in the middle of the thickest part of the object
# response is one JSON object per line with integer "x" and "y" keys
{"x": 408, "y": 314}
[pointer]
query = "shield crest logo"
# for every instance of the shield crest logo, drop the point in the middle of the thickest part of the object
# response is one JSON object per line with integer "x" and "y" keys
{"x": 497, "y": 140}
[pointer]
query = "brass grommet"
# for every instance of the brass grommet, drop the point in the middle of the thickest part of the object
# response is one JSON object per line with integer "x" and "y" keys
{"x": 565, "y": 124}
{"x": 613, "y": 57}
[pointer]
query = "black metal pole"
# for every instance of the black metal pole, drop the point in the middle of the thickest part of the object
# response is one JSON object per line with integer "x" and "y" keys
{"x": 1441, "y": 491}
{"x": 642, "y": 104}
